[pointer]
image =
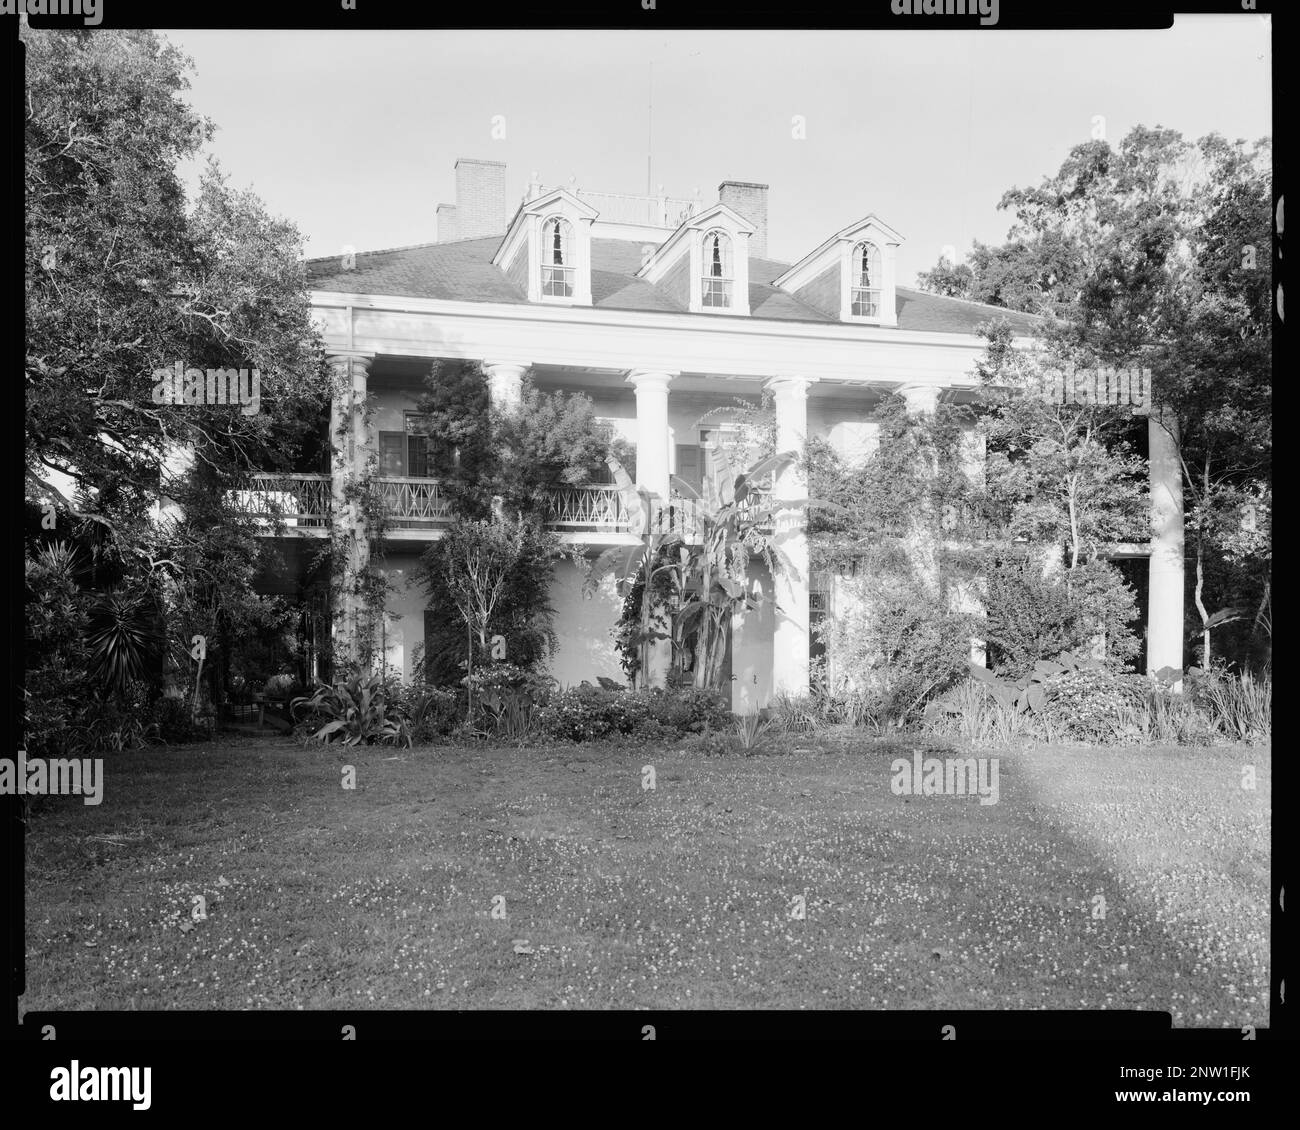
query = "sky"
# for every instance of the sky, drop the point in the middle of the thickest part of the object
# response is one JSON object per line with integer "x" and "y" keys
{"x": 353, "y": 135}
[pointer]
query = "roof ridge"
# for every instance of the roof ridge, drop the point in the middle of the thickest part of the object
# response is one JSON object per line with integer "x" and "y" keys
{"x": 408, "y": 247}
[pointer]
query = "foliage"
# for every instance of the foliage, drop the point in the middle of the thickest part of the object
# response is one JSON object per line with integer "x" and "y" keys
{"x": 750, "y": 729}
{"x": 1030, "y": 616}
{"x": 433, "y": 712}
{"x": 174, "y": 719}
{"x": 1089, "y": 704}
{"x": 121, "y": 281}
{"x": 649, "y": 577}
{"x": 490, "y": 457}
{"x": 361, "y": 711}
{"x": 796, "y": 714}
{"x": 587, "y": 713}
{"x": 496, "y": 574}
{"x": 57, "y": 685}
{"x": 1158, "y": 254}
{"x": 123, "y": 635}
{"x": 896, "y": 648}
{"x": 1240, "y": 706}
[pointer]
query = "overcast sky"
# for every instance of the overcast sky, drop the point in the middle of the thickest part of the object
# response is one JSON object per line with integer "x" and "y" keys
{"x": 353, "y": 135}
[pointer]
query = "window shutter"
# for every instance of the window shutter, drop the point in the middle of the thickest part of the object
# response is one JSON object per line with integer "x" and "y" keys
{"x": 688, "y": 465}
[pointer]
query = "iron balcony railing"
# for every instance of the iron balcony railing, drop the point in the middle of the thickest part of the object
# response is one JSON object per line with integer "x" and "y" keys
{"x": 303, "y": 501}
{"x": 414, "y": 504}
{"x": 297, "y": 500}
{"x": 588, "y": 508}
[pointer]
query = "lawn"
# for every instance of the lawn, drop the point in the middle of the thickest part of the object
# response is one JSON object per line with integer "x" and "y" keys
{"x": 681, "y": 896}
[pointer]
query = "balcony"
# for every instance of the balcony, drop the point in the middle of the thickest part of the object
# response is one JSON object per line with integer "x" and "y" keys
{"x": 414, "y": 504}
{"x": 300, "y": 502}
{"x": 588, "y": 508}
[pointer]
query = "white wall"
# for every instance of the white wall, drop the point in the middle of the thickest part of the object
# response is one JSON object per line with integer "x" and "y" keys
{"x": 404, "y": 619}
{"x": 586, "y": 646}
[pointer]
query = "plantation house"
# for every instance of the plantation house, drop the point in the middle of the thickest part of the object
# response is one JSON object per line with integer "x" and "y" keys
{"x": 659, "y": 309}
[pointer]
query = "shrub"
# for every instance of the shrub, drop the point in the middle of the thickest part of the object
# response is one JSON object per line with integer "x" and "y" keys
{"x": 174, "y": 719}
{"x": 432, "y": 712}
{"x": 284, "y": 686}
{"x": 970, "y": 711}
{"x": 1089, "y": 704}
{"x": 902, "y": 647}
{"x": 797, "y": 714}
{"x": 359, "y": 711}
{"x": 1239, "y": 706}
{"x": 587, "y": 713}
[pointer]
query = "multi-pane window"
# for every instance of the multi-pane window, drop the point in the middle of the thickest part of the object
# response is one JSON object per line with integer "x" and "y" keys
{"x": 406, "y": 454}
{"x": 715, "y": 286}
{"x": 557, "y": 258}
{"x": 864, "y": 282}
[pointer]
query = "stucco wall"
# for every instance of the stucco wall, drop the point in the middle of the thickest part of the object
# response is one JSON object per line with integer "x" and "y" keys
{"x": 404, "y": 608}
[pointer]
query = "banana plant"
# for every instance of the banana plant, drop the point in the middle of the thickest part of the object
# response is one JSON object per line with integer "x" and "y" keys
{"x": 645, "y": 563}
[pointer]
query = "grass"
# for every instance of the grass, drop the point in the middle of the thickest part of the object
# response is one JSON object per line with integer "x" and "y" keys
{"x": 382, "y": 896}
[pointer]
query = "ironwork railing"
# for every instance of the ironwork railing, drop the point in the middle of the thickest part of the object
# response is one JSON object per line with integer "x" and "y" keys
{"x": 297, "y": 500}
{"x": 588, "y": 507}
{"x": 413, "y": 504}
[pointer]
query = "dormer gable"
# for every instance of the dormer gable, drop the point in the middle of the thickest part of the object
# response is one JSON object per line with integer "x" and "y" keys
{"x": 705, "y": 263}
{"x": 546, "y": 251}
{"x": 851, "y": 276}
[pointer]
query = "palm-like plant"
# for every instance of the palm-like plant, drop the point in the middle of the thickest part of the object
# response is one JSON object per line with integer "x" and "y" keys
{"x": 124, "y": 635}
{"x": 734, "y": 520}
{"x": 644, "y": 563}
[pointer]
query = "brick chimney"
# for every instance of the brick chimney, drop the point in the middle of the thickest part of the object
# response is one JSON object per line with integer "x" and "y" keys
{"x": 480, "y": 198}
{"x": 446, "y": 220}
{"x": 750, "y": 201}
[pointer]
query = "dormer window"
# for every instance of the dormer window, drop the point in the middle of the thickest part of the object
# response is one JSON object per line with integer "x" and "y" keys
{"x": 557, "y": 260}
{"x": 716, "y": 283}
{"x": 865, "y": 281}
{"x": 851, "y": 275}
{"x": 546, "y": 253}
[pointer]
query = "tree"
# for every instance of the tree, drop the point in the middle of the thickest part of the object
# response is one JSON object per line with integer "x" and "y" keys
{"x": 483, "y": 451}
{"x": 1156, "y": 254}
{"x": 495, "y": 572}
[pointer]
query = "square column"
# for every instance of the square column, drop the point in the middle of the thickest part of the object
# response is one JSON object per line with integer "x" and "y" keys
{"x": 1165, "y": 565}
{"x": 790, "y": 585}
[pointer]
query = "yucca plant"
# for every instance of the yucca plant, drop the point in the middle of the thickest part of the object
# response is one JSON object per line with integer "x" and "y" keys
{"x": 750, "y": 729}
{"x": 124, "y": 635}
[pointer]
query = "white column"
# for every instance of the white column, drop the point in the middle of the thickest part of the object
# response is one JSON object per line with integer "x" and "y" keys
{"x": 1165, "y": 566}
{"x": 505, "y": 382}
{"x": 790, "y": 585}
{"x": 349, "y": 449}
{"x": 651, "y": 387}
